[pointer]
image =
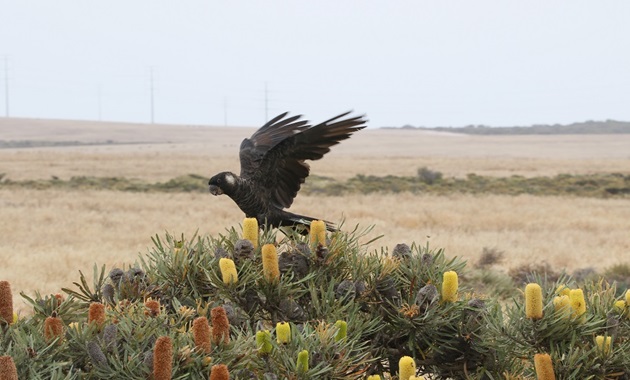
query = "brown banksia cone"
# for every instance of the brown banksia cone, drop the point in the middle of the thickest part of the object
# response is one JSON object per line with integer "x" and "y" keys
{"x": 53, "y": 329}
{"x": 201, "y": 334}
{"x": 219, "y": 372}
{"x": 271, "y": 269}
{"x": 153, "y": 308}
{"x": 96, "y": 313}
{"x": 6, "y": 303}
{"x": 163, "y": 358}
{"x": 544, "y": 367}
{"x": 8, "y": 371}
{"x": 220, "y": 326}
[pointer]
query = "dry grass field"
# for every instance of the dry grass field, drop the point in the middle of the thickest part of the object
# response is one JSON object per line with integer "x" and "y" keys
{"x": 47, "y": 236}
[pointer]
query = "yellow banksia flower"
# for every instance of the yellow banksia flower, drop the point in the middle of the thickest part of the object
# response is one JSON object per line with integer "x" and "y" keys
{"x": 271, "y": 271}
{"x": 317, "y": 234}
{"x": 603, "y": 343}
{"x": 8, "y": 371}
{"x": 220, "y": 326}
{"x": 374, "y": 377}
{"x": 96, "y": 313}
{"x": 563, "y": 303}
{"x": 283, "y": 332}
{"x": 406, "y": 367}
{"x": 219, "y": 372}
{"x": 563, "y": 290}
{"x": 628, "y": 297}
{"x": 449, "y": 286}
{"x": 263, "y": 342}
{"x": 533, "y": 301}
{"x": 620, "y": 306}
{"x": 202, "y": 334}
{"x": 342, "y": 331}
{"x": 53, "y": 329}
{"x": 153, "y": 308}
{"x": 250, "y": 230}
{"x": 228, "y": 271}
{"x": 15, "y": 318}
{"x": 302, "y": 361}
{"x": 544, "y": 367}
{"x": 163, "y": 358}
{"x": 578, "y": 304}
{"x": 416, "y": 378}
{"x": 6, "y": 303}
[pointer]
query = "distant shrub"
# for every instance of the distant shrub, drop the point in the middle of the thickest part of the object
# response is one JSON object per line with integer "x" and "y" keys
{"x": 429, "y": 176}
{"x": 489, "y": 256}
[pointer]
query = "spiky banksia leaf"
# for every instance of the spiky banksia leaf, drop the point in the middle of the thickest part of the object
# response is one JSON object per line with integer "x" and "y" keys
{"x": 220, "y": 326}
{"x": 163, "y": 358}
{"x": 228, "y": 271}
{"x": 219, "y": 372}
{"x": 317, "y": 234}
{"x": 283, "y": 332}
{"x": 406, "y": 367}
{"x": 8, "y": 371}
{"x": 250, "y": 231}
{"x": 271, "y": 271}
{"x": 544, "y": 367}
{"x": 201, "y": 334}
{"x": 450, "y": 285}
{"x": 533, "y": 301}
{"x": 6, "y": 303}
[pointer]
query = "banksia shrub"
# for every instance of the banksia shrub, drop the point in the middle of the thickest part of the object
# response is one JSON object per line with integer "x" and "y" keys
{"x": 578, "y": 304}
{"x": 283, "y": 332}
{"x": 6, "y": 303}
{"x": 228, "y": 271}
{"x": 406, "y": 367}
{"x": 533, "y": 301}
{"x": 220, "y": 371}
{"x": 449, "y": 286}
{"x": 96, "y": 313}
{"x": 220, "y": 326}
{"x": 250, "y": 230}
{"x": 163, "y": 358}
{"x": 202, "y": 334}
{"x": 317, "y": 233}
{"x": 53, "y": 329}
{"x": 8, "y": 371}
{"x": 544, "y": 367}
{"x": 271, "y": 270}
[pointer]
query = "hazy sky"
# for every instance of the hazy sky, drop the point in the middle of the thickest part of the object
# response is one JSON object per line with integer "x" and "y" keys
{"x": 431, "y": 63}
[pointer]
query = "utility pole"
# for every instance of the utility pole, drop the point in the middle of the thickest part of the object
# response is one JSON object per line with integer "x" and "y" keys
{"x": 266, "y": 103}
{"x": 6, "y": 86}
{"x": 152, "y": 99}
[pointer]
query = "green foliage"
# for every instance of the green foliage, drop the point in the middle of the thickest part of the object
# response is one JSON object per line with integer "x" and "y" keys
{"x": 390, "y": 303}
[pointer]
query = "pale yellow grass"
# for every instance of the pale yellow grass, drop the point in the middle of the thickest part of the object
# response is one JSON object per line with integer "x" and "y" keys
{"x": 49, "y": 235}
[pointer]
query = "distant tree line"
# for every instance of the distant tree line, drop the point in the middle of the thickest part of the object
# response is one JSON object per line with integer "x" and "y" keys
{"x": 589, "y": 127}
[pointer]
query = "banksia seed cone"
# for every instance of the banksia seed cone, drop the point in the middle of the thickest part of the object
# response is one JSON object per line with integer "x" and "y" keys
{"x": 6, "y": 303}
{"x": 449, "y": 286}
{"x": 544, "y": 367}
{"x": 317, "y": 233}
{"x": 220, "y": 326}
{"x": 283, "y": 332}
{"x": 228, "y": 271}
{"x": 577, "y": 302}
{"x": 271, "y": 271}
{"x": 163, "y": 358}
{"x": 96, "y": 313}
{"x": 220, "y": 371}
{"x": 603, "y": 343}
{"x": 96, "y": 355}
{"x": 533, "y": 301}
{"x": 201, "y": 334}
{"x": 250, "y": 230}
{"x": 302, "y": 362}
{"x": 53, "y": 328}
{"x": 406, "y": 367}
{"x": 153, "y": 308}
{"x": 263, "y": 342}
{"x": 110, "y": 337}
{"x": 8, "y": 371}
{"x": 342, "y": 331}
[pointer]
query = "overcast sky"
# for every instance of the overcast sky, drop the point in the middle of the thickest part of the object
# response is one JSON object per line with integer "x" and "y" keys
{"x": 429, "y": 63}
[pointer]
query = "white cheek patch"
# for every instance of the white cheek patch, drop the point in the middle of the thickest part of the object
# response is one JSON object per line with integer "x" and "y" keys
{"x": 230, "y": 180}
